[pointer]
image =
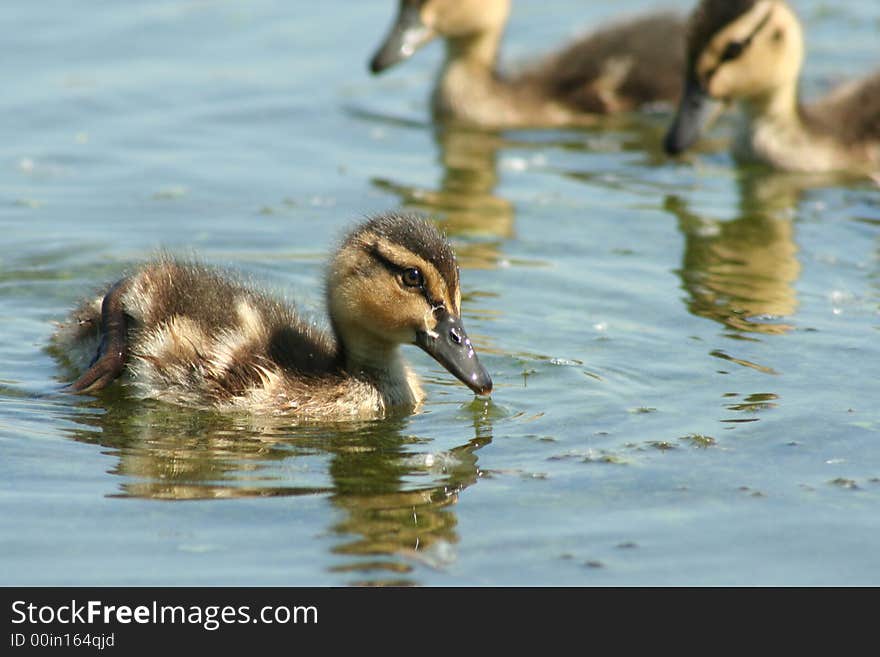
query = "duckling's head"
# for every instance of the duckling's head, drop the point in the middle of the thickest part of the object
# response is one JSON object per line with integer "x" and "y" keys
{"x": 394, "y": 280}
{"x": 736, "y": 50}
{"x": 420, "y": 21}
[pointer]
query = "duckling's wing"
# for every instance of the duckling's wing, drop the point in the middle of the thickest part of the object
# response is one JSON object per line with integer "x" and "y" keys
{"x": 851, "y": 112}
{"x": 619, "y": 68}
{"x": 192, "y": 334}
{"x": 209, "y": 334}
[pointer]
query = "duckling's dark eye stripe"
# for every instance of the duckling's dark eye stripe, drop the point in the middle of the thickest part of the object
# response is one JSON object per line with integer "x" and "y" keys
{"x": 398, "y": 270}
{"x": 735, "y": 49}
{"x": 389, "y": 264}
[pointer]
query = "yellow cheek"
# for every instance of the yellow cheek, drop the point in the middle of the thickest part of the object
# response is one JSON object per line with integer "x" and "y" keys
{"x": 719, "y": 85}
{"x": 393, "y": 312}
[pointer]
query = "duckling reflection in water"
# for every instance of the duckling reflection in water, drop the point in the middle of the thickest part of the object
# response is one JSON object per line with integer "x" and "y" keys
{"x": 620, "y": 68}
{"x": 751, "y": 51}
{"x": 742, "y": 272}
{"x": 464, "y": 202}
{"x": 394, "y": 504}
{"x": 190, "y": 335}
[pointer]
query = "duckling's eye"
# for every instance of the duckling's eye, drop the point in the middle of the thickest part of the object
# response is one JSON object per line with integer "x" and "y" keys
{"x": 733, "y": 50}
{"x": 412, "y": 277}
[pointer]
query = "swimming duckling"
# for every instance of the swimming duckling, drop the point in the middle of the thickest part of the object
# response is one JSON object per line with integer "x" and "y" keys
{"x": 617, "y": 69}
{"x": 751, "y": 51}
{"x": 190, "y": 335}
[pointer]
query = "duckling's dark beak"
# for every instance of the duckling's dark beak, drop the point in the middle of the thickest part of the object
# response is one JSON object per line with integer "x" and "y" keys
{"x": 450, "y": 346}
{"x": 696, "y": 109}
{"x": 407, "y": 35}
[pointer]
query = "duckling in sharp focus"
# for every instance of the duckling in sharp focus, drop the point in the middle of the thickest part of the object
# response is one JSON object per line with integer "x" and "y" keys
{"x": 751, "y": 51}
{"x": 617, "y": 69}
{"x": 190, "y": 335}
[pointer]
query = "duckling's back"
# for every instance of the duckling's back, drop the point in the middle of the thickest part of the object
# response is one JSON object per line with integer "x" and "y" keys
{"x": 619, "y": 68}
{"x": 851, "y": 114}
{"x": 200, "y": 337}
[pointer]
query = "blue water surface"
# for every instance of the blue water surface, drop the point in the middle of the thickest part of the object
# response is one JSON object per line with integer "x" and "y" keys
{"x": 685, "y": 352}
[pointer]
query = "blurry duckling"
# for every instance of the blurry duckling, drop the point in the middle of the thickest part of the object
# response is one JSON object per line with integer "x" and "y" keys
{"x": 190, "y": 335}
{"x": 751, "y": 51}
{"x": 618, "y": 69}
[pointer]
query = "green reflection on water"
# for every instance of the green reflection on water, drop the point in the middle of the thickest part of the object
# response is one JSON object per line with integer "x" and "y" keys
{"x": 741, "y": 273}
{"x": 396, "y": 494}
{"x": 465, "y": 201}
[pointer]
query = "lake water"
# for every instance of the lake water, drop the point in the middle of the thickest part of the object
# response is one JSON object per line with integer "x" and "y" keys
{"x": 685, "y": 352}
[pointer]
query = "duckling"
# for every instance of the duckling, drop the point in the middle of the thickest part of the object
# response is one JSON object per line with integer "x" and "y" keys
{"x": 751, "y": 51}
{"x": 190, "y": 335}
{"x": 618, "y": 69}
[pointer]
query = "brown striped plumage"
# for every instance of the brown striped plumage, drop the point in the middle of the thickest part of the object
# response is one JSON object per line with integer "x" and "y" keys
{"x": 189, "y": 334}
{"x": 619, "y": 68}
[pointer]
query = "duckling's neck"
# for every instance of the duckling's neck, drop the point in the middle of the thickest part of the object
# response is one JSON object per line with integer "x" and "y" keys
{"x": 779, "y": 106}
{"x": 372, "y": 356}
{"x": 479, "y": 51}
{"x": 468, "y": 77}
{"x": 775, "y": 132}
{"x": 380, "y": 362}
